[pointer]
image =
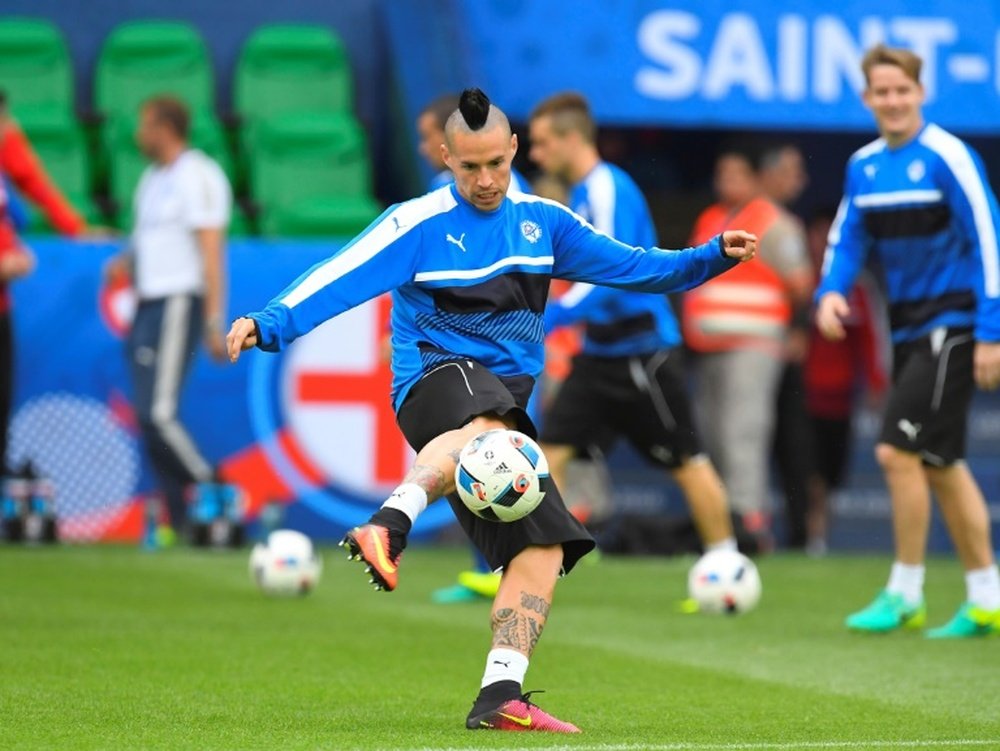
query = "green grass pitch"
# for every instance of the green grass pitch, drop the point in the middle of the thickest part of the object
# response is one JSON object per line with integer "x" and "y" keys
{"x": 109, "y": 647}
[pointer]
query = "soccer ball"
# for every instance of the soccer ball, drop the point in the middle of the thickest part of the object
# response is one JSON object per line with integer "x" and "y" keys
{"x": 501, "y": 475}
{"x": 286, "y": 564}
{"x": 724, "y": 581}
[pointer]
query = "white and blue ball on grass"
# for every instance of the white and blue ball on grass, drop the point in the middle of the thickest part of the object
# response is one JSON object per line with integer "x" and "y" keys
{"x": 502, "y": 475}
{"x": 286, "y": 564}
{"x": 724, "y": 581}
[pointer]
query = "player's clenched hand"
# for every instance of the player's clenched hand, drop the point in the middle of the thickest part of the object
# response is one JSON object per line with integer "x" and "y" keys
{"x": 739, "y": 244}
{"x": 986, "y": 365}
{"x": 830, "y": 315}
{"x": 242, "y": 335}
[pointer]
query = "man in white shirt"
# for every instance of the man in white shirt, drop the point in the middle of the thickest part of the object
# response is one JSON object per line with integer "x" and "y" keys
{"x": 176, "y": 259}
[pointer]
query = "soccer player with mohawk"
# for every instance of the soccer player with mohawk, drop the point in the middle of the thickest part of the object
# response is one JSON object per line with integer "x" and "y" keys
{"x": 469, "y": 267}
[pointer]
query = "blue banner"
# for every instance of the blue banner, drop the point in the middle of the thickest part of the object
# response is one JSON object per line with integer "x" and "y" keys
{"x": 732, "y": 63}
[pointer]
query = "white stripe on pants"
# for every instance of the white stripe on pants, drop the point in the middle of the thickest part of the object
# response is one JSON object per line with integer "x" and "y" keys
{"x": 166, "y": 388}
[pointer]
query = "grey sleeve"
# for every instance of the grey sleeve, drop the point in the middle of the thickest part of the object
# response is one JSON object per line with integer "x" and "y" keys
{"x": 783, "y": 246}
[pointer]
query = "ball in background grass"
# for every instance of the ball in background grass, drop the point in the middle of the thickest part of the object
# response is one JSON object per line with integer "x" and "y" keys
{"x": 287, "y": 564}
{"x": 724, "y": 581}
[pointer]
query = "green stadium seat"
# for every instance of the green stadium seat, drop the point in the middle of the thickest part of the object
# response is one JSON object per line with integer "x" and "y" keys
{"x": 61, "y": 145}
{"x": 299, "y": 155}
{"x": 127, "y": 162}
{"x": 140, "y": 59}
{"x": 291, "y": 68}
{"x": 35, "y": 67}
{"x": 322, "y": 216}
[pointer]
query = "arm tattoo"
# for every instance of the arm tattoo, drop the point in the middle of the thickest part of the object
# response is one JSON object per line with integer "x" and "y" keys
{"x": 536, "y": 603}
{"x": 454, "y": 454}
{"x": 431, "y": 479}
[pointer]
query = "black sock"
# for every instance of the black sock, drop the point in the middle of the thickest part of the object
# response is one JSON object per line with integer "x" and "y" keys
{"x": 492, "y": 696}
{"x": 392, "y": 518}
{"x": 399, "y": 526}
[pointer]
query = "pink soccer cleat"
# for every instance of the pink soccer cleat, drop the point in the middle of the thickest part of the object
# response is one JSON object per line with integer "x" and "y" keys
{"x": 519, "y": 714}
{"x": 381, "y": 549}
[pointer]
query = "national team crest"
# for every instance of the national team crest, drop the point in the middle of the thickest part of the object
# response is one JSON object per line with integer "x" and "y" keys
{"x": 916, "y": 170}
{"x": 531, "y": 231}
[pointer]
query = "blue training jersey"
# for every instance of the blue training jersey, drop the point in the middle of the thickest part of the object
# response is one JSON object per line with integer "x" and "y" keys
{"x": 619, "y": 323}
{"x": 469, "y": 283}
{"x": 517, "y": 181}
{"x": 927, "y": 214}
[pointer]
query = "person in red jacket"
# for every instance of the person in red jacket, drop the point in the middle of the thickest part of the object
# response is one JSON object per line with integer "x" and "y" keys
{"x": 22, "y": 168}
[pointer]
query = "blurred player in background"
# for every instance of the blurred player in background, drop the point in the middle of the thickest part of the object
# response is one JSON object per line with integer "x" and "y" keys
{"x": 176, "y": 257}
{"x": 918, "y": 200}
{"x": 738, "y": 325}
{"x": 629, "y": 379}
{"x": 20, "y": 167}
{"x": 469, "y": 266}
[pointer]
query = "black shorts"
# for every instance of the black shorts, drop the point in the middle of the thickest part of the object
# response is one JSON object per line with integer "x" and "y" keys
{"x": 641, "y": 398}
{"x": 832, "y": 441}
{"x": 932, "y": 385}
{"x": 450, "y": 396}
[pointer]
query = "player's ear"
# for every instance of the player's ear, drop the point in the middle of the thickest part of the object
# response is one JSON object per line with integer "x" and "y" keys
{"x": 445, "y": 154}
{"x": 513, "y": 143}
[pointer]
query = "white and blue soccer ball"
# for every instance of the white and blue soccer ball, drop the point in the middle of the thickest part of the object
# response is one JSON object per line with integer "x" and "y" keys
{"x": 287, "y": 564}
{"x": 501, "y": 475}
{"x": 724, "y": 581}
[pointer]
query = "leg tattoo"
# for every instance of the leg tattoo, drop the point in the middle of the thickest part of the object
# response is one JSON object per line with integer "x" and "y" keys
{"x": 520, "y": 629}
{"x": 431, "y": 479}
{"x": 535, "y": 603}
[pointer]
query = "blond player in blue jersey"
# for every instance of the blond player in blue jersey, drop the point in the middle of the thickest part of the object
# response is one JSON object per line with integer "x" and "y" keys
{"x": 917, "y": 199}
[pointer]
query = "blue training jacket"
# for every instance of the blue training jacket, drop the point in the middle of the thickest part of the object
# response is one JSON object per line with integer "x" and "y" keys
{"x": 619, "y": 323}
{"x": 927, "y": 213}
{"x": 469, "y": 283}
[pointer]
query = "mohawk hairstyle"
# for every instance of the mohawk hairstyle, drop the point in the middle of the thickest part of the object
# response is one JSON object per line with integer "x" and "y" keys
{"x": 475, "y": 108}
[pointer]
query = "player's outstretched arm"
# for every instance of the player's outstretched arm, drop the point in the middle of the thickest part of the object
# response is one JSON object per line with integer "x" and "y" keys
{"x": 242, "y": 335}
{"x": 584, "y": 254}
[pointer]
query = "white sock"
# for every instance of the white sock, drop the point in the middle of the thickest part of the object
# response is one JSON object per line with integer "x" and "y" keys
{"x": 983, "y": 587}
{"x": 409, "y": 498}
{"x": 728, "y": 544}
{"x": 504, "y": 665}
{"x": 908, "y": 581}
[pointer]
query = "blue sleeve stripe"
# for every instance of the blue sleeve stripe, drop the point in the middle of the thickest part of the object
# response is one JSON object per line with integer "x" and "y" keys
{"x": 956, "y": 156}
{"x": 464, "y": 274}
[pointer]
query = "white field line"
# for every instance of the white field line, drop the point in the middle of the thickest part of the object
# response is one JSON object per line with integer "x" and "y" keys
{"x": 761, "y": 746}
